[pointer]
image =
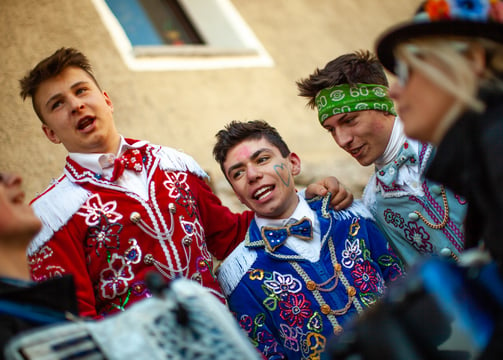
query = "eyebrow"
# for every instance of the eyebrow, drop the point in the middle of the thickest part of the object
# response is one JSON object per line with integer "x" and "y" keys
{"x": 77, "y": 84}
{"x": 252, "y": 157}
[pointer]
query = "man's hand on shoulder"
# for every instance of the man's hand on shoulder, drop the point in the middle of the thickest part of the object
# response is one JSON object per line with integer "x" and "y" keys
{"x": 341, "y": 197}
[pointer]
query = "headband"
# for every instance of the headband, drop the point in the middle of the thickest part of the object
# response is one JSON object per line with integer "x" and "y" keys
{"x": 347, "y": 98}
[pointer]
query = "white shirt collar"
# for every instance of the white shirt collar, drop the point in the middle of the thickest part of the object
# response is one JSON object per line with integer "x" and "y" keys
{"x": 302, "y": 210}
{"x": 98, "y": 162}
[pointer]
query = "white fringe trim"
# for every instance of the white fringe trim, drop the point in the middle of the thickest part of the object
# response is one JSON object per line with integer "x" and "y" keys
{"x": 357, "y": 208}
{"x": 174, "y": 160}
{"x": 234, "y": 267}
{"x": 55, "y": 208}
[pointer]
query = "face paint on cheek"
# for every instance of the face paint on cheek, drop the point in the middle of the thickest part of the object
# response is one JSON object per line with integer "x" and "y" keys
{"x": 280, "y": 169}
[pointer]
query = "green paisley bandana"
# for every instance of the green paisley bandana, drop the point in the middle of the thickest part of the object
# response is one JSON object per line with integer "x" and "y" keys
{"x": 346, "y": 98}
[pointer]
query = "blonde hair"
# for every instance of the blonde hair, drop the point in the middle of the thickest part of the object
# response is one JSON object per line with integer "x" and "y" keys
{"x": 453, "y": 71}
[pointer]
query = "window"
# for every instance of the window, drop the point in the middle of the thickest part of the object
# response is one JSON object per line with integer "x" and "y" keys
{"x": 181, "y": 34}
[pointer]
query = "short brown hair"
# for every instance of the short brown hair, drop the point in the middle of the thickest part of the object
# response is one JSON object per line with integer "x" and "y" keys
{"x": 236, "y": 132}
{"x": 359, "y": 67}
{"x": 51, "y": 67}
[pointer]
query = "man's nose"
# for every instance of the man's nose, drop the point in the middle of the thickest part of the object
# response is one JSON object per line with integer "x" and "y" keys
{"x": 77, "y": 105}
{"x": 253, "y": 173}
{"x": 343, "y": 138}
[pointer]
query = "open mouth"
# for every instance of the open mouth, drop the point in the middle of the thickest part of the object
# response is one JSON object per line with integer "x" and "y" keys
{"x": 263, "y": 192}
{"x": 85, "y": 122}
{"x": 355, "y": 151}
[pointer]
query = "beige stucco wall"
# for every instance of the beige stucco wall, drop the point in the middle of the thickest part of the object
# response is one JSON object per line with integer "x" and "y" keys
{"x": 184, "y": 109}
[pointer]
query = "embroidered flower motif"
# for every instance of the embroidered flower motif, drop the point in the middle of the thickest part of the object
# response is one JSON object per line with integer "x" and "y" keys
{"x": 282, "y": 285}
{"x": 256, "y": 274}
{"x": 133, "y": 254}
{"x": 175, "y": 181}
{"x": 139, "y": 288}
{"x": 104, "y": 236}
{"x": 316, "y": 344}
{"x": 295, "y": 310}
{"x": 246, "y": 322}
{"x": 351, "y": 253}
{"x": 194, "y": 230}
{"x": 496, "y": 12}
{"x": 437, "y": 9}
{"x": 290, "y": 336}
{"x": 188, "y": 201}
{"x": 315, "y": 323}
{"x": 471, "y": 10}
{"x": 114, "y": 279}
{"x": 366, "y": 277}
{"x": 418, "y": 237}
{"x": 94, "y": 209}
{"x": 393, "y": 218}
{"x": 475, "y": 10}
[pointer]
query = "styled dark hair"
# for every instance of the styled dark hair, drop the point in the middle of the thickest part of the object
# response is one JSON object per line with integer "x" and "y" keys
{"x": 236, "y": 132}
{"x": 51, "y": 67}
{"x": 359, "y": 67}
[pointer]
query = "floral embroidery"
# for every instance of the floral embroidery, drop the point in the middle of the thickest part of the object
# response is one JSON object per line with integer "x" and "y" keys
{"x": 282, "y": 285}
{"x": 315, "y": 323}
{"x": 114, "y": 279}
{"x": 133, "y": 254}
{"x": 195, "y": 231}
{"x": 95, "y": 209}
{"x": 366, "y": 277}
{"x": 351, "y": 253}
{"x": 316, "y": 344}
{"x": 394, "y": 218}
{"x": 295, "y": 309}
{"x": 291, "y": 337}
{"x": 139, "y": 288}
{"x": 175, "y": 182}
{"x": 256, "y": 274}
{"x": 418, "y": 237}
{"x": 104, "y": 236}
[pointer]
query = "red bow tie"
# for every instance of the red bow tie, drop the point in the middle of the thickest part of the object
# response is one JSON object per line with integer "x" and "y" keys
{"x": 132, "y": 159}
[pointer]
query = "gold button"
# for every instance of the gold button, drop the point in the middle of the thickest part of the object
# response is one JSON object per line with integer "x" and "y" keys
{"x": 311, "y": 285}
{"x": 325, "y": 309}
{"x": 135, "y": 217}
{"x": 338, "y": 267}
{"x": 202, "y": 264}
{"x": 338, "y": 329}
{"x": 351, "y": 291}
{"x": 187, "y": 241}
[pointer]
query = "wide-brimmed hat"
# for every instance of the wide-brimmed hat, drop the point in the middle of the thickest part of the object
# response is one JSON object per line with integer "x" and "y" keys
{"x": 471, "y": 18}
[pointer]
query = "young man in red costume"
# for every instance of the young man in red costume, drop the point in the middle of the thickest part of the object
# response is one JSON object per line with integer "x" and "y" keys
{"x": 122, "y": 207}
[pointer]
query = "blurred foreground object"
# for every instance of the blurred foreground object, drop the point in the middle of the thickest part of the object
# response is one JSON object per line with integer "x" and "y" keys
{"x": 183, "y": 321}
{"x": 442, "y": 311}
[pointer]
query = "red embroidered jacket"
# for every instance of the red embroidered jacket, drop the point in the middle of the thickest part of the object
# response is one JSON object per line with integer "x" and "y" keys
{"x": 109, "y": 238}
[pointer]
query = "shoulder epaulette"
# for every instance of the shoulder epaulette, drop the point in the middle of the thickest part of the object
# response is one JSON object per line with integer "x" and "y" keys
{"x": 54, "y": 207}
{"x": 234, "y": 267}
{"x": 174, "y": 160}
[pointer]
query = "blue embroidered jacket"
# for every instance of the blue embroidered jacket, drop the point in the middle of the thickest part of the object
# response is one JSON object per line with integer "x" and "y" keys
{"x": 288, "y": 305}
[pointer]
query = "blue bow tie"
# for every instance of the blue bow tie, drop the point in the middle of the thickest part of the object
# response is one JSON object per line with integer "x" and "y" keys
{"x": 389, "y": 172}
{"x": 276, "y": 236}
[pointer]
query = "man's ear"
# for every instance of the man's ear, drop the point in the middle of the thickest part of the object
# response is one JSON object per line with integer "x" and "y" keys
{"x": 50, "y": 134}
{"x": 108, "y": 101}
{"x": 294, "y": 160}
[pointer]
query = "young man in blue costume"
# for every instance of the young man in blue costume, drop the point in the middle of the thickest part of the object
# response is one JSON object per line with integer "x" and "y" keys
{"x": 303, "y": 270}
{"x": 418, "y": 216}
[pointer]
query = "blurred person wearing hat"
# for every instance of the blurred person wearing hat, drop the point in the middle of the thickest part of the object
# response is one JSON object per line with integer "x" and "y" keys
{"x": 449, "y": 65}
{"x": 418, "y": 216}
